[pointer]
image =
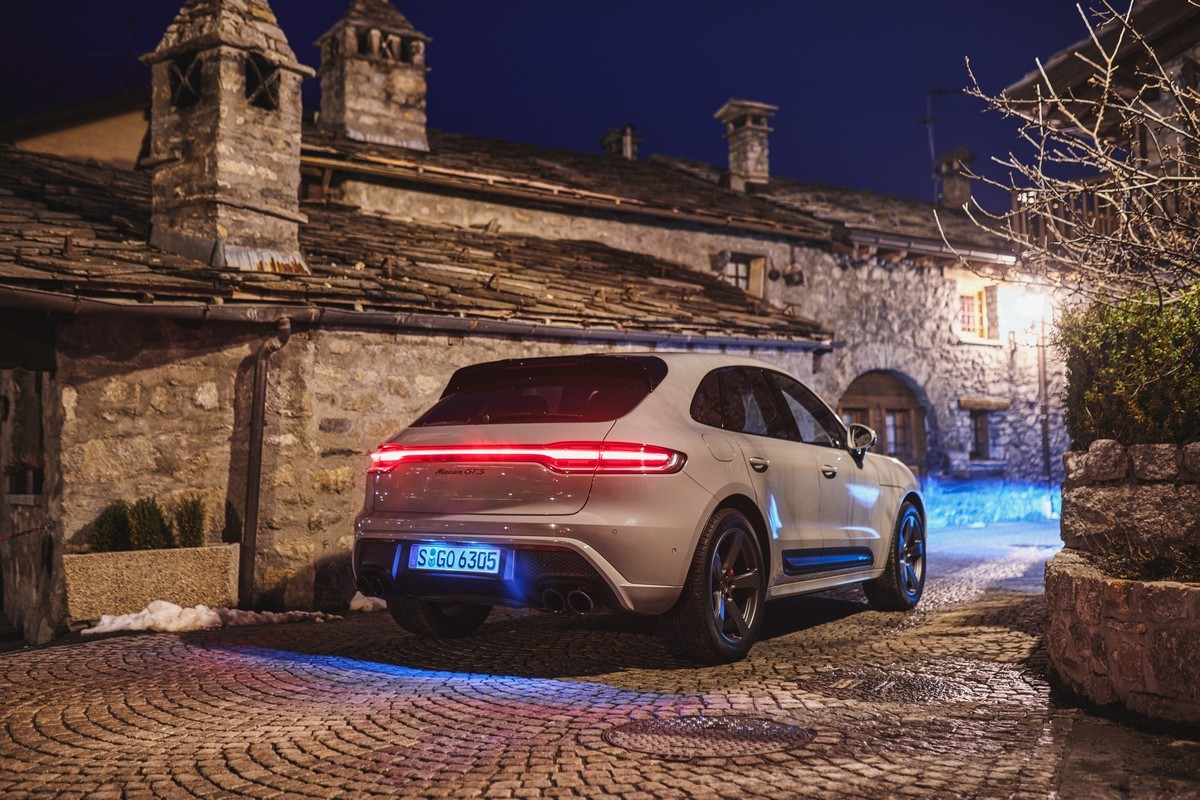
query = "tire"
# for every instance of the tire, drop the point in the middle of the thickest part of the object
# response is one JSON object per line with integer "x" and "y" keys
{"x": 900, "y": 586}
{"x": 720, "y": 612}
{"x": 435, "y": 620}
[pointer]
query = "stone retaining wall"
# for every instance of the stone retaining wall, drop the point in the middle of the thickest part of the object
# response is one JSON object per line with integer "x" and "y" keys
{"x": 1150, "y": 492}
{"x": 1128, "y": 642}
{"x": 1118, "y": 641}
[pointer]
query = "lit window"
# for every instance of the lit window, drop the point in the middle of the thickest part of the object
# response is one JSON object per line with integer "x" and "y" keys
{"x": 972, "y": 314}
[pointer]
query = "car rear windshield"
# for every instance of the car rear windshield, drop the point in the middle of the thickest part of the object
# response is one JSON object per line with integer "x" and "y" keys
{"x": 596, "y": 389}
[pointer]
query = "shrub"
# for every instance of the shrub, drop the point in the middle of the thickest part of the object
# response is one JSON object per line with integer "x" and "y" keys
{"x": 189, "y": 518}
{"x": 148, "y": 528}
{"x": 1133, "y": 371}
{"x": 111, "y": 530}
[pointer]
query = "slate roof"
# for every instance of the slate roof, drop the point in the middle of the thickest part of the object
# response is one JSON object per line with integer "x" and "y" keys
{"x": 71, "y": 230}
{"x": 866, "y": 217}
{"x": 671, "y": 189}
{"x": 538, "y": 175}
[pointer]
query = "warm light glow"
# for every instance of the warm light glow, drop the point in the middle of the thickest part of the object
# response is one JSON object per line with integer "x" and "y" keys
{"x": 1031, "y": 305}
{"x": 564, "y": 457}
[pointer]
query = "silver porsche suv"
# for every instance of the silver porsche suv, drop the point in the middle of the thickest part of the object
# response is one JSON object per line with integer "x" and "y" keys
{"x": 692, "y": 486}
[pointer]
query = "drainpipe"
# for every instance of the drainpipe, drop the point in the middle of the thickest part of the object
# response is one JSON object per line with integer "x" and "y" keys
{"x": 254, "y": 462}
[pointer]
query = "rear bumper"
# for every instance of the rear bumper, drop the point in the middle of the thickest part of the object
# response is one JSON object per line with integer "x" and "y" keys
{"x": 537, "y": 558}
{"x": 631, "y": 545}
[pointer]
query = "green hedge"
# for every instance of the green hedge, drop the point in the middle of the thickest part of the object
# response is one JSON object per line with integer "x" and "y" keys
{"x": 1133, "y": 371}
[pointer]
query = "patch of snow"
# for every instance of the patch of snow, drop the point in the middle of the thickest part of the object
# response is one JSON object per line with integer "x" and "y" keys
{"x": 161, "y": 615}
{"x": 360, "y": 602}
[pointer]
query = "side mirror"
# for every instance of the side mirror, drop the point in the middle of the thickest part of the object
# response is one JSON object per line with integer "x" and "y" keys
{"x": 862, "y": 439}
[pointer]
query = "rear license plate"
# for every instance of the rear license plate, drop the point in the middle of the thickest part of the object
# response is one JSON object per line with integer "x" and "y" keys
{"x": 473, "y": 559}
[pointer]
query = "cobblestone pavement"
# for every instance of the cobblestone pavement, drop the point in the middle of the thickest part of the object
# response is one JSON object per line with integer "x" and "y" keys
{"x": 949, "y": 701}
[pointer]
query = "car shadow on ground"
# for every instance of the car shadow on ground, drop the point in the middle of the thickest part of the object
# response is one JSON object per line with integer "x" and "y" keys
{"x": 526, "y": 644}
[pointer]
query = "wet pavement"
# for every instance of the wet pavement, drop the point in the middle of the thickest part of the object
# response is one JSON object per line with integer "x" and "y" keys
{"x": 836, "y": 701}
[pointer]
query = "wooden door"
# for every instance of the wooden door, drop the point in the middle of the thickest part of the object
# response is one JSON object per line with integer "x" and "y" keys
{"x": 883, "y": 401}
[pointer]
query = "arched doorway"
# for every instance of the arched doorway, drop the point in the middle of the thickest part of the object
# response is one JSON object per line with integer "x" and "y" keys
{"x": 883, "y": 401}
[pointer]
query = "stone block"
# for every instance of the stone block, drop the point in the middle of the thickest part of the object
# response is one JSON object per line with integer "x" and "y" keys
{"x": 333, "y": 481}
{"x": 126, "y": 582}
{"x": 335, "y": 425}
{"x": 1172, "y": 658}
{"x": 1155, "y": 462}
{"x": 206, "y": 396}
{"x": 1163, "y": 602}
{"x": 1107, "y": 461}
{"x": 1117, "y": 598}
{"x": 1128, "y": 669}
{"x": 1075, "y": 468}
{"x": 1191, "y": 461}
{"x": 1153, "y": 515}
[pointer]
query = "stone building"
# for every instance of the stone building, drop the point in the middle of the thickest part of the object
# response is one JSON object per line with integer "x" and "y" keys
{"x": 361, "y": 258}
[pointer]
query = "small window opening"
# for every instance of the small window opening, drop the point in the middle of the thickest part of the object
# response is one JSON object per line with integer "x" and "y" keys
{"x": 397, "y": 49}
{"x": 737, "y": 273}
{"x": 186, "y": 80}
{"x": 262, "y": 82}
{"x": 746, "y": 271}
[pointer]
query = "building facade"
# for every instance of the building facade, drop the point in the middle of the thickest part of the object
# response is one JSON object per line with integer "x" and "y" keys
{"x": 360, "y": 259}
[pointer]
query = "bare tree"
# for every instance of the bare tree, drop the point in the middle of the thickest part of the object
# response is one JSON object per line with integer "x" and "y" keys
{"x": 1108, "y": 202}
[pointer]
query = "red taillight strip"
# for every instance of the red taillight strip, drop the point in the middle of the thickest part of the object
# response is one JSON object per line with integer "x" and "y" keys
{"x": 564, "y": 457}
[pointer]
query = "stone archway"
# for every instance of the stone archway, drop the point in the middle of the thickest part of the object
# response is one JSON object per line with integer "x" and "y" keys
{"x": 884, "y": 401}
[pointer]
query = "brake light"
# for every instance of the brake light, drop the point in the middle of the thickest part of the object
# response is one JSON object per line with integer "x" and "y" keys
{"x": 565, "y": 457}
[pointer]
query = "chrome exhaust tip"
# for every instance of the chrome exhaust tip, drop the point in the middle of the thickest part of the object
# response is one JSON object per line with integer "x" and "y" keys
{"x": 580, "y": 601}
{"x": 553, "y": 600}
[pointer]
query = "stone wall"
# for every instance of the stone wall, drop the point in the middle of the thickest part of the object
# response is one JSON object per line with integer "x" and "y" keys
{"x": 897, "y": 317}
{"x": 1118, "y": 641}
{"x": 1148, "y": 492}
{"x": 902, "y": 318}
{"x": 1115, "y": 641}
{"x": 154, "y": 408}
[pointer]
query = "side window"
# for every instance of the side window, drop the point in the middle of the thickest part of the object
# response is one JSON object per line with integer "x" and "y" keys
{"x": 816, "y": 423}
{"x": 748, "y": 405}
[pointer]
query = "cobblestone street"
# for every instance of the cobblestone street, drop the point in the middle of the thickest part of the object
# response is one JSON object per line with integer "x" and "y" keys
{"x": 949, "y": 701}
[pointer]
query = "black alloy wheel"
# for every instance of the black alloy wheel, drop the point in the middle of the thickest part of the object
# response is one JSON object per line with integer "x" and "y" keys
{"x": 720, "y": 611}
{"x": 900, "y": 586}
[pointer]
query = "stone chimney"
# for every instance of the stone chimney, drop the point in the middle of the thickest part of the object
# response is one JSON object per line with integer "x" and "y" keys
{"x": 225, "y": 138}
{"x": 622, "y": 143}
{"x": 746, "y": 131}
{"x": 954, "y": 176}
{"x": 373, "y": 77}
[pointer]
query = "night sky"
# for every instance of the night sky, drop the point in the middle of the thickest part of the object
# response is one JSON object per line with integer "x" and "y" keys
{"x": 853, "y": 79}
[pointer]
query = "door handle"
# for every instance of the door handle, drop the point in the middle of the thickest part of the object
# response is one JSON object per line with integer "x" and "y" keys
{"x": 758, "y": 464}
{"x": 829, "y": 470}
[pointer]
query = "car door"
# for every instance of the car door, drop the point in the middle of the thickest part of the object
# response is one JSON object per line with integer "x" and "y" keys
{"x": 783, "y": 471}
{"x": 849, "y": 488}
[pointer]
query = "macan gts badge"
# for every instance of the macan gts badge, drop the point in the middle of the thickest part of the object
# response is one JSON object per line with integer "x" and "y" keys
{"x": 691, "y": 486}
